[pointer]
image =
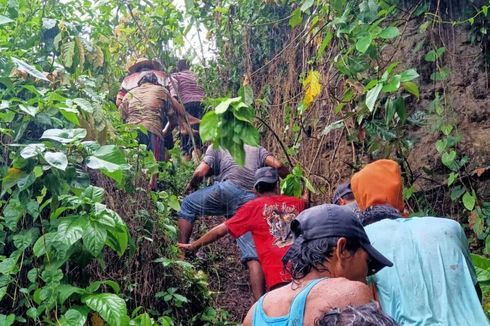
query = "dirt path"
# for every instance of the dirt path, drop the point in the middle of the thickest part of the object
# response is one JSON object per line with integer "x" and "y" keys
{"x": 227, "y": 276}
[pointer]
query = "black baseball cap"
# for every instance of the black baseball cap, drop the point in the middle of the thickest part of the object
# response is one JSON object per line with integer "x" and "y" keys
{"x": 266, "y": 174}
{"x": 342, "y": 190}
{"x": 330, "y": 220}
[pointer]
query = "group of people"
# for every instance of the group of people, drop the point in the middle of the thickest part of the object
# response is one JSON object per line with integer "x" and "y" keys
{"x": 159, "y": 102}
{"x": 357, "y": 261}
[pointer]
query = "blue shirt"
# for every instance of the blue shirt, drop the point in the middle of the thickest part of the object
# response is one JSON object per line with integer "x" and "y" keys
{"x": 432, "y": 281}
{"x": 296, "y": 311}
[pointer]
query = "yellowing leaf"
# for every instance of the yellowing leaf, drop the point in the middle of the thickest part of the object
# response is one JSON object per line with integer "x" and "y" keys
{"x": 13, "y": 171}
{"x": 312, "y": 87}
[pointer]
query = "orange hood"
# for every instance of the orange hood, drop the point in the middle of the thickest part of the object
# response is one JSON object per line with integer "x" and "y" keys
{"x": 378, "y": 183}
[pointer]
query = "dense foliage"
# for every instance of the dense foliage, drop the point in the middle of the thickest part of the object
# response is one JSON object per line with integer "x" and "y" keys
{"x": 81, "y": 238}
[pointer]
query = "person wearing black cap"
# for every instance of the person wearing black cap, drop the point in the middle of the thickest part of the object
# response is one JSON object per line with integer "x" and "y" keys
{"x": 329, "y": 261}
{"x": 343, "y": 195}
{"x": 268, "y": 218}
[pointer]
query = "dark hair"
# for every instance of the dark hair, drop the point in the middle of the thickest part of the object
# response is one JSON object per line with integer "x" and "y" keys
{"x": 365, "y": 315}
{"x": 349, "y": 196}
{"x": 263, "y": 187}
{"x": 148, "y": 78}
{"x": 182, "y": 64}
{"x": 312, "y": 254}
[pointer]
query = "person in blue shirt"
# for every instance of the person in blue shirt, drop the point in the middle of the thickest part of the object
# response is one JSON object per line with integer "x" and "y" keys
{"x": 433, "y": 281}
{"x": 328, "y": 262}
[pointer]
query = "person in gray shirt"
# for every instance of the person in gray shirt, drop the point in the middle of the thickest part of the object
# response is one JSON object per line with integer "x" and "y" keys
{"x": 233, "y": 187}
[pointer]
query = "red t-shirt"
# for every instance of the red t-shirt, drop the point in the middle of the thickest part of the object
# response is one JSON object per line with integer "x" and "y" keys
{"x": 268, "y": 219}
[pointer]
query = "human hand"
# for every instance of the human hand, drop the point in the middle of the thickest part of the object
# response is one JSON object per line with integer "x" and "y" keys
{"x": 185, "y": 246}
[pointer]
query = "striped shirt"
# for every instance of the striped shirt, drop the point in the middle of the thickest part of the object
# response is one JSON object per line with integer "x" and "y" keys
{"x": 187, "y": 87}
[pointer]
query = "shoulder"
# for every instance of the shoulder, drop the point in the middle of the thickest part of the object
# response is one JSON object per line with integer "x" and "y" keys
{"x": 347, "y": 291}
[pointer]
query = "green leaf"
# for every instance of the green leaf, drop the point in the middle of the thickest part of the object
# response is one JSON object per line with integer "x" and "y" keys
{"x": 57, "y": 160}
{"x": 73, "y": 317}
{"x": 326, "y": 41}
{"x": 363, "y": 43}
{"x": 372, "y": 96}
{"x": 65, "y": 136}
{"x": 67, "y": 53}
{"x": 469, "y": 201}
{"x": 441, "y": 145}
{"x": 22, "y": 65}
{"x": 334, "y": 125}
{"x": 457, "y": 192}
{"x": 306, "y": 5}
{"x": 247, "y": 94}
{"x": 30, "y": 110}
{"x": 392, "y": 85}
{"x": 71, "y": 229}
{"x": 173, "y": 203}
{"x": 448, "y": 158}
{"x": 412, "y": 88}
{"x": 5, "y": 20}
{"x": 451, "y": 178}
{"x": 484, "y": 10}
{"x": 109, "y": 306}
{"x": 12, "y": 213}
{"x": 223, "y": 106}
{"x": 84, "y": 105}
{"x": 6, "y": 320}
{"x": 32, "y": 150}
{"x": 42, "y": 244}
{"x": 389, "y": 33}
{"x": 110, "y": 160}
{"x": 440, "y": 75}
{"x": 94, "y": 238}
{"x": 95, "y": 194}
{"x": 446, "y": 129}
{"x": 408, "y": 75}
{"x": 296, "y": 18}
{"x": 65, "y": 291}
{"x": 32, "y": 275}
{"x": 208, "y": 129}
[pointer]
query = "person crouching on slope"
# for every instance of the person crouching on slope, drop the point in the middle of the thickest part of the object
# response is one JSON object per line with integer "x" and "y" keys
{"x": 433, "y": 280}
{"x": 329, "y": 261}
{"x": 268, "y": 218}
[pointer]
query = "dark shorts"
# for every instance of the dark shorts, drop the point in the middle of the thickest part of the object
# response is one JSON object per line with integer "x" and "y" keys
{"x": 195, "y": 109}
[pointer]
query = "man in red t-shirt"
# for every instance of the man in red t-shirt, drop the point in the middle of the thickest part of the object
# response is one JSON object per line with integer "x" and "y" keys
{"x": 268, "y": 218}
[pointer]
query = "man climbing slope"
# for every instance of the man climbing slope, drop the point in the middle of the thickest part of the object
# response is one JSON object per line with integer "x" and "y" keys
{"x": 268, "y": 218}
{"x": 233, "y": 188}
{"x": 329, "y": 261}
{"x": 433, "y": 281}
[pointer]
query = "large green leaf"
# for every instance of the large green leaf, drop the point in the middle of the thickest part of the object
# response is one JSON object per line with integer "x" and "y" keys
{"x": 12, "y": 213}
{"x": 30, "y": 110}
{"x": 71, "y": 229}
{"x": 22, "y": 65}
{"x": 372, "y": 96}
{"x": 94, "y": 238}
{"x": 110, "y": 160}
{"x": 469, "y": 201}
{"x": 65, "y": 291}
{"x": 32, "y": 150}
{"x": 7, "y": 320}
{"x": 408, "y": 75}
{"x": 57, "y": 160}
{"x": 208, "y": 129}
{"x": 5, "y": 20}
{"x": 67, "y": 53}
{"x": 65, "y": 136}
{"x": 84, "y": 104}
{"x": 223, "y": 106}
{"x": 363, "y": 43}
{"x": 389, "y": 32}
{"x": 296, "y": 18}
{"x": 109, "y": 306}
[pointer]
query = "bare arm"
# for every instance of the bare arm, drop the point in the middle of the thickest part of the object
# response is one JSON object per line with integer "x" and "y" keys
{"x": 275, "y": 163}
{"x": 211, "y": 236}
{"x": 201, "y": 171}
{"x": 248, "y": 319}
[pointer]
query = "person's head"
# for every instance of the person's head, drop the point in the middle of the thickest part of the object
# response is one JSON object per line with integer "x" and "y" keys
{"x": 183, "y": 64}
{"x": 266, "y": 180}
{"x": 343, "y": 195}
{"x": 330, "y": 240}
{"x": 148, "y": 78}
{"x": 378, "y": 183}
{"x": 144, "y": 64}
{"x": 365, "y": 315}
